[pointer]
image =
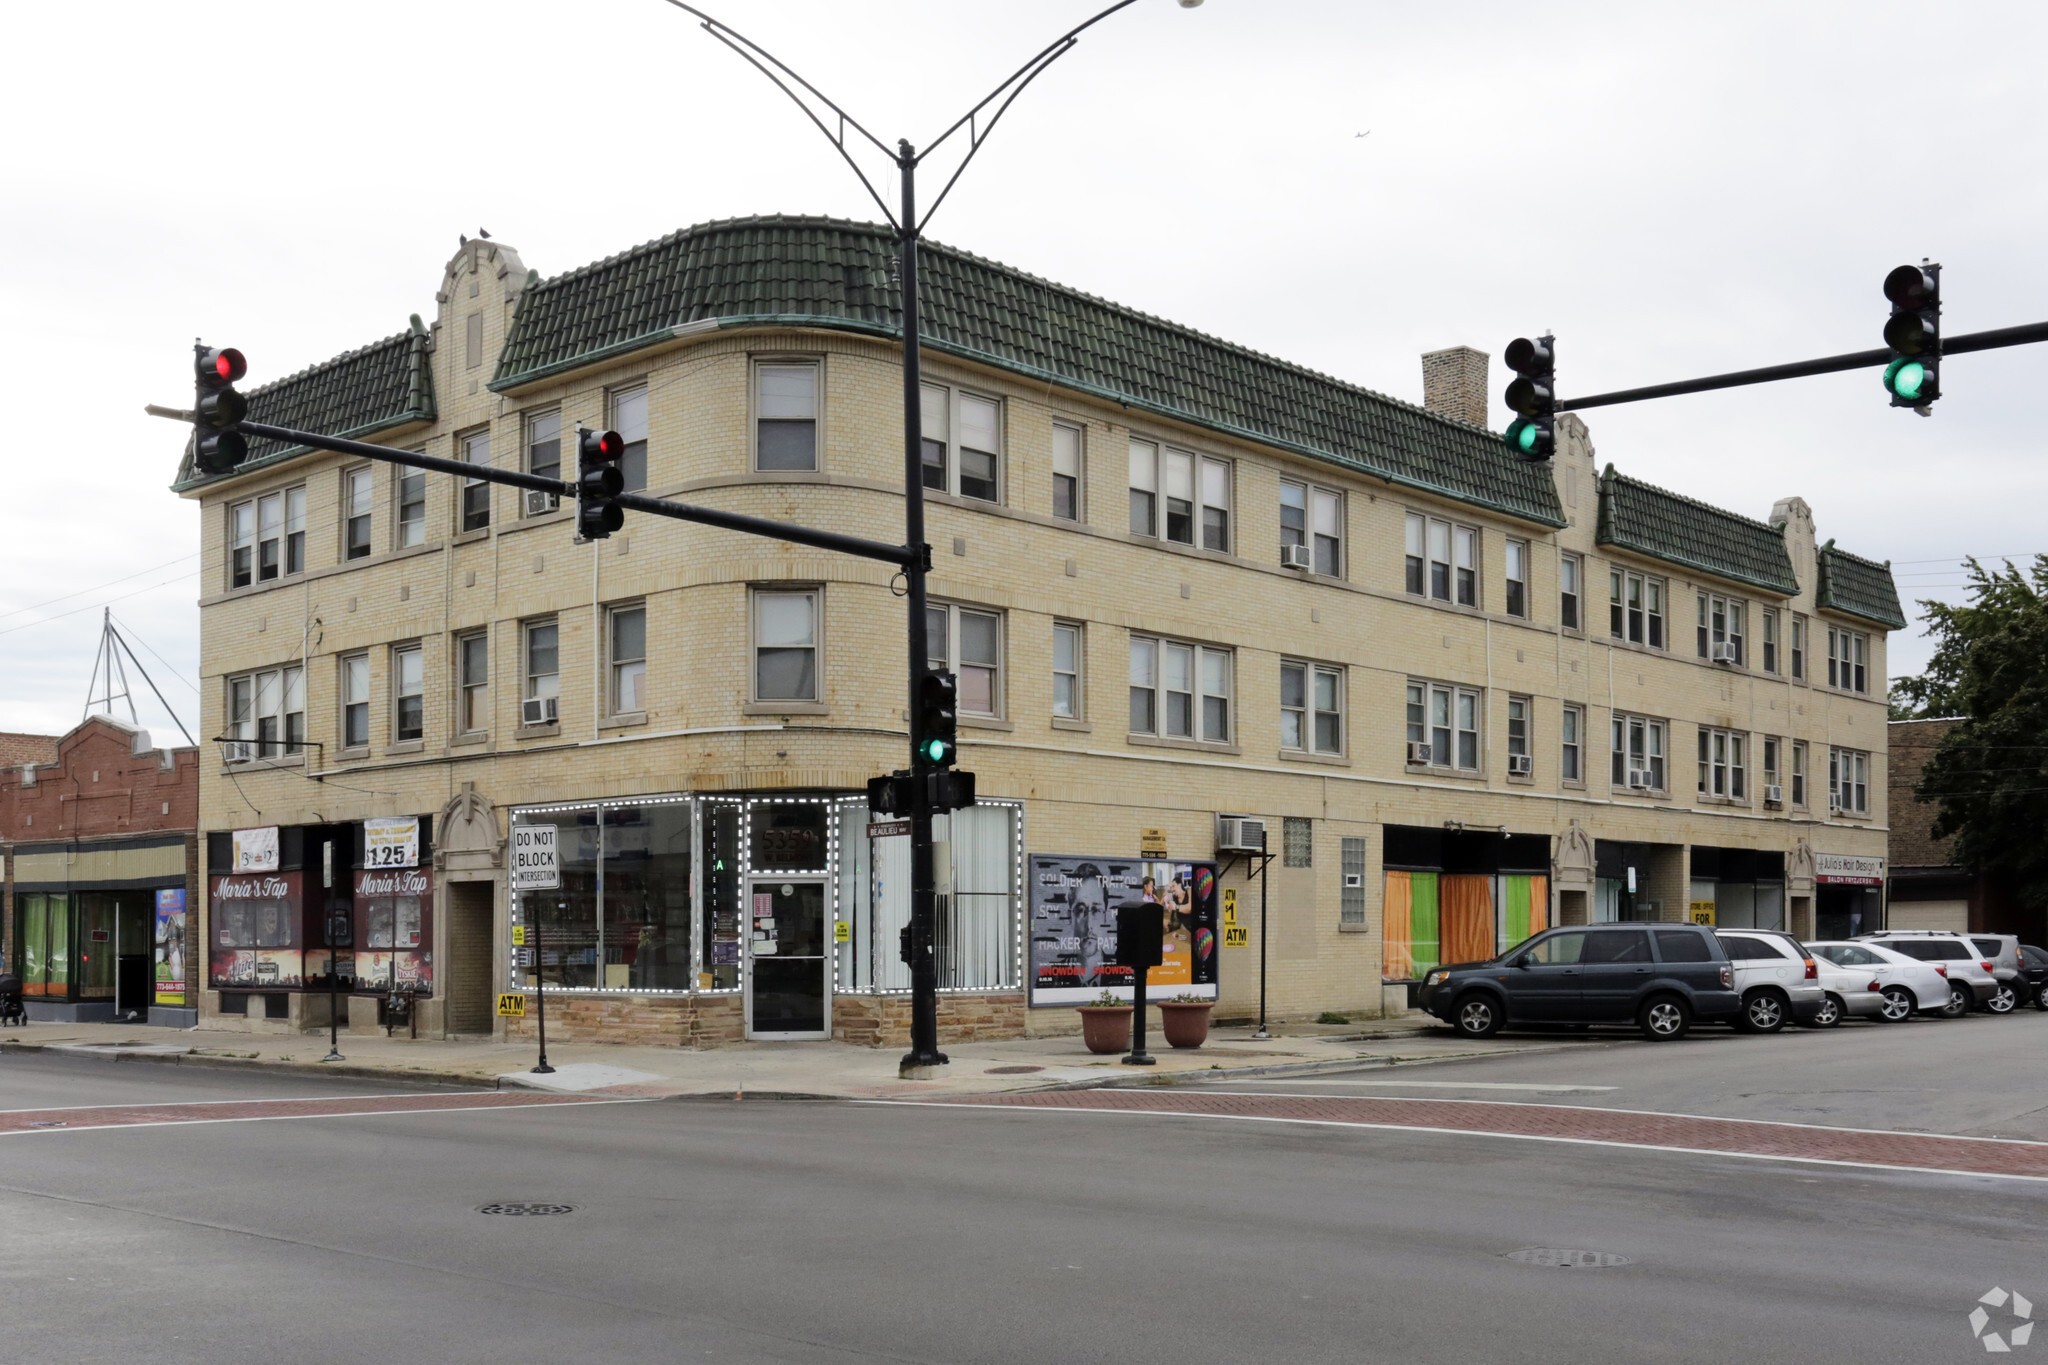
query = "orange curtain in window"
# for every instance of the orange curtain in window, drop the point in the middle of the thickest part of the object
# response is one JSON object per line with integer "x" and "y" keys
{"x": 1467, "y": 910}
{"x": 1397, "y": 953}
{"x": 1539, "y": 904}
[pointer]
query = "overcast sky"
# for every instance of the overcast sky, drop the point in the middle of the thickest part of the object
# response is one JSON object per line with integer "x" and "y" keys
{"x": 1675, "y": 190}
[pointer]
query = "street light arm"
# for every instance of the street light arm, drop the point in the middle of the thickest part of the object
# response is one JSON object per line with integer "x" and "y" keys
{"x": 1056, "y": 48}
{"x": 761, "y": 59}
{"x": 977, "y": 137}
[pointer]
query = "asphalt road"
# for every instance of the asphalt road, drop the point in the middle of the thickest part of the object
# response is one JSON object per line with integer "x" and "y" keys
{"x": 766, "y": 1231}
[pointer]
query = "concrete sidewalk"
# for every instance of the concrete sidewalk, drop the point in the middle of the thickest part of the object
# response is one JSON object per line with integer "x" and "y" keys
{"x": 823, "y": 1069}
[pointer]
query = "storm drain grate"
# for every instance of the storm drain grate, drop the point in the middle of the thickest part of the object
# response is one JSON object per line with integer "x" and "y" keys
{"x": 1564, "y": 1258}
{"x": 526, "y": 1209}
{"x": 1012, "y": 1070}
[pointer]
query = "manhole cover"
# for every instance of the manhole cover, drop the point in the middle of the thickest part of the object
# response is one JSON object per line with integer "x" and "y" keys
{"x": 1012, "y": 1070}
{"x": 1564, "y": 1258}
{"x": 520, "y": 1206}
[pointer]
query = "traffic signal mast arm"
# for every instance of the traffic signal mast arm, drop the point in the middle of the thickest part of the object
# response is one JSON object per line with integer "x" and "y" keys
{"x": 901, "y": 556}
{"x": 1995, "y": 339}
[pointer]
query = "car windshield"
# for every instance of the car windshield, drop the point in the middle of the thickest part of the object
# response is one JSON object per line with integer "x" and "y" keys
{"x": 1846, "y": 954}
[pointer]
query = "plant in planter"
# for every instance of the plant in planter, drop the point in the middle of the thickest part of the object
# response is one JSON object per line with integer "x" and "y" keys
{"x": 1106, "y": 1025}
{"x": 1185, "y": 1020}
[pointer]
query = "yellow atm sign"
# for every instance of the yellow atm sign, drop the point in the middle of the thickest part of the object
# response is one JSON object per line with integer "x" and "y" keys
{"x": 512, "y": 1005}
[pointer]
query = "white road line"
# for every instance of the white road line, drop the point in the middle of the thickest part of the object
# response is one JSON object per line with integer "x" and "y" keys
{"x": 1561, "y": 1088}
{"x": 351, "y": 1114}
{"x": 194, "y": 1104}
{"x": 1480, "y": 1133}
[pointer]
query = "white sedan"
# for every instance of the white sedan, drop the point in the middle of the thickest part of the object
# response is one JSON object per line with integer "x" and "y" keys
{"x": 1903, "y": 985}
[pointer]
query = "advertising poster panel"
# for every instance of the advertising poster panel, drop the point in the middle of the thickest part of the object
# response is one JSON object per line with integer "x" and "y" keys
{"x": 395, "y": 929}
{"x": 255, "y": 920}
{"x": 169, "y": 941}
{"x": 1073, "y": 927}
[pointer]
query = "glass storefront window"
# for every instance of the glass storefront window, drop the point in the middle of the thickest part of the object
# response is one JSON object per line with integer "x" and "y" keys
{"x": 563, "y": 922}
{"x": 43, "y": 928}
{"x": 647, "y": 897}
{"x": 722, "y": 873}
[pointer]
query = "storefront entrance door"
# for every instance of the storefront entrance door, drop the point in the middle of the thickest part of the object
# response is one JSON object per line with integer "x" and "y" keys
{"x": 788, "y": 972}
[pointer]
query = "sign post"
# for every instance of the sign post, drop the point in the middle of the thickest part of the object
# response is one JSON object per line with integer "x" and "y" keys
{"x": 536, "y": 867}
{"x": 1139, "y": 947}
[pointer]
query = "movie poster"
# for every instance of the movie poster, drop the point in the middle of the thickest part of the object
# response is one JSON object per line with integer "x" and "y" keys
{"x": 1073, "y": 927}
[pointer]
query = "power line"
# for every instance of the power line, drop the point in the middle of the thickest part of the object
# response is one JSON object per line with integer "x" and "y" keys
{"x": 175, "y": 672}
{"x": 94, "y": 606}
{"x": 96, "y": 587}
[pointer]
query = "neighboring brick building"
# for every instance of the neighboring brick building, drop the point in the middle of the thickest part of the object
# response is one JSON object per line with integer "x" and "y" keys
{"x": 102, "y": 862}
{"x": 1928, "y": 890}
{"x": 1179, "y": 579}
{"x": 17, "y": 749}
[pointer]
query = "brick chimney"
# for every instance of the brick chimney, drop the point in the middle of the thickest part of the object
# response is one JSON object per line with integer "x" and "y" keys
{"x": 1454, "y": 384}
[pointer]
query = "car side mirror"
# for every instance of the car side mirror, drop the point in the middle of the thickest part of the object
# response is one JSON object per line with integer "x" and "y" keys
{"x": 1520, "y": 960}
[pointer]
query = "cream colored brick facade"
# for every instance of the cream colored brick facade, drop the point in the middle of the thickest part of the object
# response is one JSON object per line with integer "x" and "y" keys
{"x": 1087, "y": 785}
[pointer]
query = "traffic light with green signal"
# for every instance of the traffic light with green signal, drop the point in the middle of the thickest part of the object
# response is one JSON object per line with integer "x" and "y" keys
{"x": 1533, "y": 397}
{"x": 217, "y": 409}
{"x": 1913, "y": 379}
{"x": 938, "y": 713}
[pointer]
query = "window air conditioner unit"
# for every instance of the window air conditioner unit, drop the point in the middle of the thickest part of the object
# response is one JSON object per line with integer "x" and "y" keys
{"x": 1774, "y": 796}
{"x": 1296, "y": 557}
{"x": 1417, "y": 753}
{"x": 1240, "y": 834}
{"x": 539, "y": 502}
{"x": 1520, "y": 765}
{"x": 538, "y": 711}
{"x": 1724, "y": 654}
{"x": 1834, "y": 804}
{"x": 1638, "y": 780}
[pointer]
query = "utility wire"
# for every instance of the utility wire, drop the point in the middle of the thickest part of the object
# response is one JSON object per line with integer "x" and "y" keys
{"x": 94, "y": 606}
{"x": 175, "y": 671}
{"x": 95, "y": 588}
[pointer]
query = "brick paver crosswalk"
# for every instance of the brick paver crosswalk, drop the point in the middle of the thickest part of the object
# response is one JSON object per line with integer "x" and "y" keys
{"x": 1567, "y": 1123}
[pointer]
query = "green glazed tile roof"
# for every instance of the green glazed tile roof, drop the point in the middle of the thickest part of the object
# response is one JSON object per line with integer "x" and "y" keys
{"x": 1858, "y": 587}
{"x": 823, "y": 272}
{"x": 1694, "y": 535}
{"x": 386, "y": 384}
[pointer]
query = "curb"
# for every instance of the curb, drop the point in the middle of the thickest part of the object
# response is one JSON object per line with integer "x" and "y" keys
{"x": 456, "y": 1079}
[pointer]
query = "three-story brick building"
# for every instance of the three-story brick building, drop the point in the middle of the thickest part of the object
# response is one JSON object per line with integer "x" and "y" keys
{"x": 1468, "y": 696}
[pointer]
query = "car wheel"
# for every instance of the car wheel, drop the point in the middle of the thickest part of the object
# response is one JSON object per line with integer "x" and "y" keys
{"x": 1764, "y": 1012}
{"x": 1478, "y": 1016}
{"x": 1959, "y": 999}
{"x": 1664, "y": 1018}
{"x": 2041, "y": 997}
{"x": 1829, "y": 1014}
{"x": 2006, "y": 1001}
{"x": 1896, "y": 1005}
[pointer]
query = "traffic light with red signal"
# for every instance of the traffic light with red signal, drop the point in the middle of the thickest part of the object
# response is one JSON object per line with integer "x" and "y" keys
{"x": 218, "y": 408}
{"x": 598, "y": 483}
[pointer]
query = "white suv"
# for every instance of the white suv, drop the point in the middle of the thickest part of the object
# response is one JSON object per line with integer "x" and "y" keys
{"x": 1776, "y": 978}
{"x": 1972, "y": 978}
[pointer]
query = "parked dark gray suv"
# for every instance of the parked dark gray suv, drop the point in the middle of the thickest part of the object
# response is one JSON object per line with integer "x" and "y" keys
{"x": 1662, "y": 976}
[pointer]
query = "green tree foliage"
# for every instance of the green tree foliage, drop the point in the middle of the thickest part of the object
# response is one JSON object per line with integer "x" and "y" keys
{"x": 1989, "y": 775}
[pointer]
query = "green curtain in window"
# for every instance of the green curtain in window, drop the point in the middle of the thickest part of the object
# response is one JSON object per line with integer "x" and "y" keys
{"x": 1423, "y": 920}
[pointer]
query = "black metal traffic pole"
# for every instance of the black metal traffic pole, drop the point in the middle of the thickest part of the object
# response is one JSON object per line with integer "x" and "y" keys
{"x": 924, "y": 973}
{"x": 540, "y": 988}
{"x": 333, "y": 1018}
{"x": 1265, "y": 870}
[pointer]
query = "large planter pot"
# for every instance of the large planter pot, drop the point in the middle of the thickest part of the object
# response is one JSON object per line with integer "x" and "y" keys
{"x": 1106, "y": 1028}
{"x": 1185, "y": 1025}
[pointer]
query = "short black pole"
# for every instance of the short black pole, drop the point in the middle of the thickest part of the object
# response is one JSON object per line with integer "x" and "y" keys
{"x": 1139, "y": 1057}
{"x": 540, "y": 989}
{"x": 333, "y": 1011}
{"x": 1265, "y": 867}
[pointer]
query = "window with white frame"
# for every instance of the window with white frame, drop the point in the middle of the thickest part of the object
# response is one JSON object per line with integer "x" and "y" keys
{"x": 543, "y": 457}
{"x": 629, "y": 419}
{"x": 473, "y": 683}
{"x": 1767, "y": 628}
{"x": 1849, "y": 780}
{"x": 1799, "y": 648}
{"x": 1571, "y": 571}
{"x": 961, "y": 442}
{"x": 355, "y": 701}
{"x": 476, "y": 494}
{"x": 412, "y": 507}
{"x": 1180, "y": 691}
{"x": 541, "y": 687}
{"x": 1179, "y": 496}
{"x": 408, "y": 694}
{"x": 1443, "y": 726}
{"x": 267, "y": 537}
{"x": 1311, "y": 707}
{"x": 1773, "y": 767}
{"x": 1719, "y": 631}
{"x": 1521, "y": 762}
{"x": 357, "y": 501}
{"x": 1723, "y": 764}
{"x": 266, "y": 714}
{"x": 242, "y": 544}
{"x": 1066, "y": 670}
{"x": 1571, "y": 755}
{"x": 1637, "y": 753}
{"x": 786, "y": 644}
{"x": 786, "y": 415}
{"x": 1443, "y": 560}
{"x": 1848, "y": 658}
{"x": 968, "y": 642}
{"x": 1635, "y": 608}
{"x": 626, "y": 644}
{"x": 1518, "y": 578}
{"x": 1312, "y": 520}
{"x": 1799, "y": 772}
{"x": 1067, "y": 443}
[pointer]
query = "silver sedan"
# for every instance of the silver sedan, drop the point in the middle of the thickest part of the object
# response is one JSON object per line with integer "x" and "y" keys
{"x": 1897, "y": 986}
